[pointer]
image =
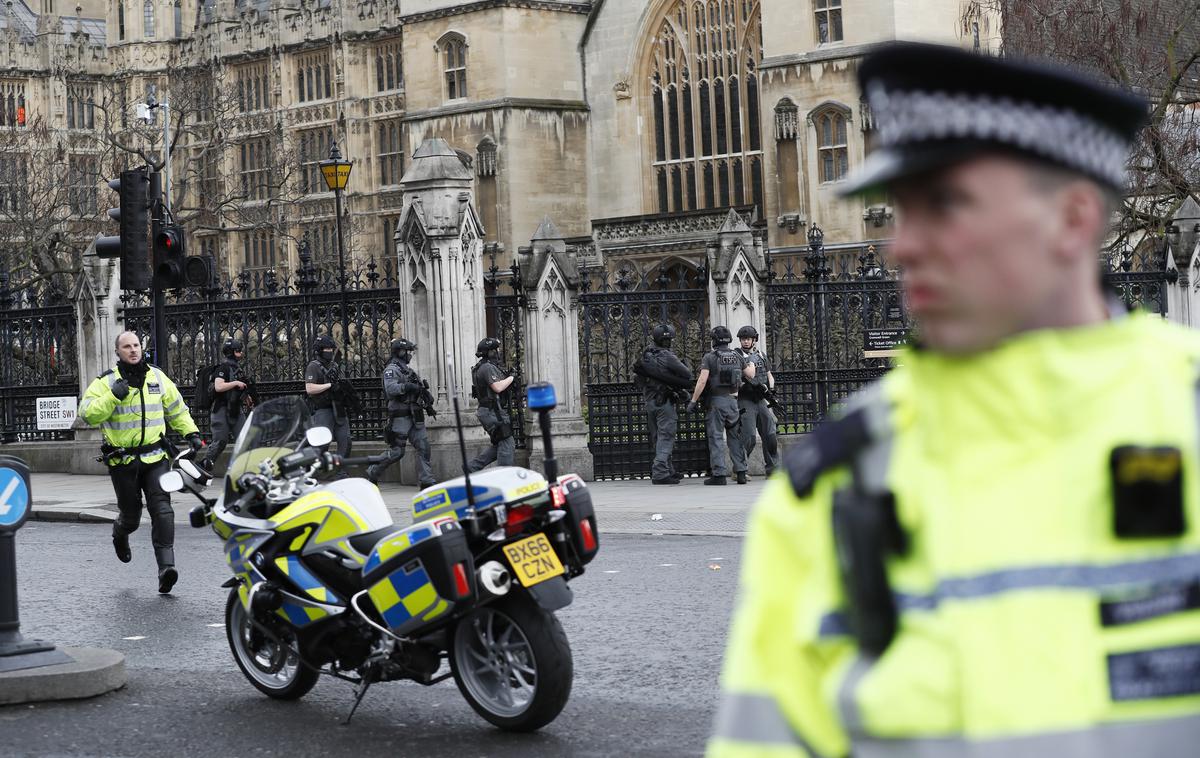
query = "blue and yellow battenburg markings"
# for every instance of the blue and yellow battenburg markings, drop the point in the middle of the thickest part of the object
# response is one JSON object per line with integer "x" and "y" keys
{"x": 438, "y": 499}
{"x": 404, "y": 595}
{"x": 293, "y": 569}
{"x": 301, "y": 615}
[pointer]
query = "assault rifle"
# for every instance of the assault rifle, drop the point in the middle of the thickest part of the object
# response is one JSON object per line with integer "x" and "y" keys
{"x": 758, "y": 392}
{"x": 425, "y": 399}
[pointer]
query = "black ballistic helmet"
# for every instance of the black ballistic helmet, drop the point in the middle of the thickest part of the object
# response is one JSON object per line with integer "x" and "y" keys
{"x": 232, "y": 346}
{"x": 662, "y": 335}
{"x": 720, "y": 335}
{"x": 487, "y": 345}
{"x": 324, "y": 342}
{"x": 747, "y": 331}
{"x": 401, "y": 345}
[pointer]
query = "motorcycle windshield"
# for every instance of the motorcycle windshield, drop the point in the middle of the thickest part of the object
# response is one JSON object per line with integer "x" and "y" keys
{"x": 274, "y": 429}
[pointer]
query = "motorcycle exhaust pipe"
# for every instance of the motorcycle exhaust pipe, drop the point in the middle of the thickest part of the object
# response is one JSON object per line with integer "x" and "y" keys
{"x": 494, "y": 578}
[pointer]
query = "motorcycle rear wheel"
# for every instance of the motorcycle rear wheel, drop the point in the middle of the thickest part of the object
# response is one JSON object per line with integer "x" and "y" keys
{"x": 512, "y": 662}
{"x": 258, "y": 656}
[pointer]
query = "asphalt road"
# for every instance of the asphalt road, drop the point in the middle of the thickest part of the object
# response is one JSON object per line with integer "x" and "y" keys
{"x": 647, "y": 629}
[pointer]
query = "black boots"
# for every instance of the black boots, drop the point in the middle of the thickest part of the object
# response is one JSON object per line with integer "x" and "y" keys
{"x": 741, "y": 477}
{"x": 121, "y": 545}
{"x": 167, "y": 576}
{"x": 715, "y": 480}
{"x": 664, "y": 481}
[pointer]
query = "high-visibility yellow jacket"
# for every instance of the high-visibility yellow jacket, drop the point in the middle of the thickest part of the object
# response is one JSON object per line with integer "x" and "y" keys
{"x": 140, "y": 418}
{"x": 1026, "y": 626}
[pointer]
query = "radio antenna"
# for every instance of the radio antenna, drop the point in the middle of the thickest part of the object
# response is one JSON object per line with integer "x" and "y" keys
{"x": 462, "y": 443}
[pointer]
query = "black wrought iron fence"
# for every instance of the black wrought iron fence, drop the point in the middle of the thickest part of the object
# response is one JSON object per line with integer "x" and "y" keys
{"x": 39, "y": 356}
{"x": 278, "y": 316}
{"x": 618, "y": 310}
{"x": 1140, "y": 278}
{"x": 825, "y": 310}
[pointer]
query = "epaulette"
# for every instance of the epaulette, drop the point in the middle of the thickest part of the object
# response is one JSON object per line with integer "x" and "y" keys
{"x": 837, "y": 442}
{"x": 106, "y": 373}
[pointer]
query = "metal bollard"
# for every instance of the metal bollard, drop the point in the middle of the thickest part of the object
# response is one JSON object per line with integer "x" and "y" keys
{"x": 16, "y": 496}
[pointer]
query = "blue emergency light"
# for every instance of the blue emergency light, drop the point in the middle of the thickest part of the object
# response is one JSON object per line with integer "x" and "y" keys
{"x": 540, "y": 396}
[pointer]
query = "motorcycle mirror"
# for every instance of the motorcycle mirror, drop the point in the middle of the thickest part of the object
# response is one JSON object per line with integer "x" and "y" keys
{"x": 172, "y": 481}
{"x": 318, "y": 436}
{"x": 192, "y": 470}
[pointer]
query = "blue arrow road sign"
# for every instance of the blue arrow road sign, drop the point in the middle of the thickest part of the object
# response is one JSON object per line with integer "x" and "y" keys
{"x": 14, "y": 497}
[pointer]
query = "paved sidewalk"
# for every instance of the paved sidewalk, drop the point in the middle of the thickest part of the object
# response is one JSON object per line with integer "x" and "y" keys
{"x": 622, "y": 507}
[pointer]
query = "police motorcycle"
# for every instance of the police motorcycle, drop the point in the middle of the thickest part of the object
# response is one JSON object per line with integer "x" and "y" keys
{"x": 324, "y": 583}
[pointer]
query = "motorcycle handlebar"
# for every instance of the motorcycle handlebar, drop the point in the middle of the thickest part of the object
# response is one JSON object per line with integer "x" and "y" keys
{"x": 360, "y": 461}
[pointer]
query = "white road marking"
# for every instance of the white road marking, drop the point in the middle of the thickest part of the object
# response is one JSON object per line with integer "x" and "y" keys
{"x": 138, "y": 637}
{"x": 217, "y": 626}
{"x": 664, "y": 565}
{"x": 613, "y": 571}
{"x": 4, "y": 496}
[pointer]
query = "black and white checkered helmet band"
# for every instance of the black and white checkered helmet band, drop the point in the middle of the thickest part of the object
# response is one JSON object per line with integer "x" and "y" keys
{"x": 1067, "y": 137}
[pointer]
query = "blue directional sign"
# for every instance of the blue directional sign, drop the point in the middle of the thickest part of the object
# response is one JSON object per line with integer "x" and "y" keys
{"x": 14, "y": 498}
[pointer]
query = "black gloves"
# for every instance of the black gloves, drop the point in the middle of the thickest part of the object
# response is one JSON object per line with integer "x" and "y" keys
{"x": 194, "y": 440}
{"x": 692, "y": 406}
{"x": 411, "y": 387}
{"x": 120, "y": 389}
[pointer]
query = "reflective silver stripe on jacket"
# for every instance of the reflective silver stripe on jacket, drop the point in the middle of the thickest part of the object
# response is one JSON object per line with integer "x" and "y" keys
{"x": 1159, "y": 738}
{"x": 1098, "y": 578}
{"x": 756, "y": 719}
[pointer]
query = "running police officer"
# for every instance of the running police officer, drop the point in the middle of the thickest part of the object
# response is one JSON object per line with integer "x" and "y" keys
{"x": 322, "y": 381}
{"x": 408, "y": 400}
{"x": 995, "y": 549}
{"x": 133, "y": 403}
{"x": 664, "y": 381}
{"x": 489, "y": 385}
{"x": 752, "y": 403}
{"x": 229, "y": 385}
{"x": 721, "y": 374}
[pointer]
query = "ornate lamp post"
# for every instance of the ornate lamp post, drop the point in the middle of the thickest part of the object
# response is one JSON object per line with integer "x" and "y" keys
{"x": 337, "y": 175}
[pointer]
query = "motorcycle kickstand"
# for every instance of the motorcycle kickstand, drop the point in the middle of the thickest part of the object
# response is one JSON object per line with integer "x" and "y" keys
{"x": 358, "y": 698}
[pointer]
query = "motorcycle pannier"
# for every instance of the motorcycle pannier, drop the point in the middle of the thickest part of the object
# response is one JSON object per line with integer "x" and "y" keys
{"x": 417, "y": 575}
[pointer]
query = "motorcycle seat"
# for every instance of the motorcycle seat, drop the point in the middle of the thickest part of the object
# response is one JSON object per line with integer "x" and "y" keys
{"x": 366, "y": 542}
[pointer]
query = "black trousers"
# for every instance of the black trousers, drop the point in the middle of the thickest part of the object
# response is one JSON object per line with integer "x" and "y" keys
{"x": 130, "y": 481}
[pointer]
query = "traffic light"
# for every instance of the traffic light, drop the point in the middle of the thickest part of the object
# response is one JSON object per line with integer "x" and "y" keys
{"x": 173, "y": 267}
{"x": 131, "y": 244}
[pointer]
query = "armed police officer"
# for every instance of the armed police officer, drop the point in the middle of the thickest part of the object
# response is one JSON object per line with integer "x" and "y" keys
{"x": 490, "y": 385}
{"x": 664, "y": 380}
{"x": 753, "y": 401}
{"x": 230, "y": 389}
{"x": 995, "y": 549}
{"x": 721, "y": 373}
{"x": 326, "y": 389}
{"x": 408, "y": 401}
{"x": 133, "y": 403}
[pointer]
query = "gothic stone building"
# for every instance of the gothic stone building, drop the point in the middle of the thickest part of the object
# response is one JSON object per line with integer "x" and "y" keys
{"x": 620, "y": 120}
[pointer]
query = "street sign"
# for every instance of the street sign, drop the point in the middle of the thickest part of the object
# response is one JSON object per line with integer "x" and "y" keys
{"x": 14, "y": 494}
{"x": 56, "y": 413}
{"x": 883, "y": 339}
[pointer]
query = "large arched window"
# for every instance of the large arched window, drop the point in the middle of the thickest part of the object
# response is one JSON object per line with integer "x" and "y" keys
{"x": 701, "y": 78}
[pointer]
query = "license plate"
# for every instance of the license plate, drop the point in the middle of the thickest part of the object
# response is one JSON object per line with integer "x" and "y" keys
{"x": 533, "y": 560}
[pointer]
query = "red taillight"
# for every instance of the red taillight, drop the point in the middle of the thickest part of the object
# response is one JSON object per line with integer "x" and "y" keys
{"x": 589, "y": 537}
{"x": 461, "y": 585}
{"x": 557, "y": 497}
{"x": 517, "y": 517}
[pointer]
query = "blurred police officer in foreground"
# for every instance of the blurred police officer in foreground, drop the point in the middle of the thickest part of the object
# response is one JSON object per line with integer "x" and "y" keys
{"x": 721, "y": 374}
{"x": 322, "y": 380}
{"x": 133, "y": 403}
{"x": 664, "y": 380}
{"x": 994, "y": 550}
{"x": 752, "y": 403}
{"x": 408, "y": 400}
{"x": 227, "y": 417}
{"x": 489, "y": 385}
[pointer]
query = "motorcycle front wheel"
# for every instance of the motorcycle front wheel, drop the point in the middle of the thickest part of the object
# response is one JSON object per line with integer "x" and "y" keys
{"x": 512, "y": 663}
{"x": 273, "y": 668}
